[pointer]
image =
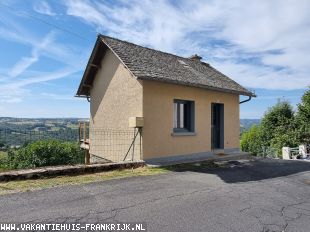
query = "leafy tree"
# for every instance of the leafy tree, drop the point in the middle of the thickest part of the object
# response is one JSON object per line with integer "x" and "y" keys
{"x": 303, "y": 118}
{"x": 277, "y": 117}
{"x": 278, "y": 126}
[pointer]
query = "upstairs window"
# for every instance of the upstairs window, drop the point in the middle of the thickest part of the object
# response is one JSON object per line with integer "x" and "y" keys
{"x": 184, "y": 119}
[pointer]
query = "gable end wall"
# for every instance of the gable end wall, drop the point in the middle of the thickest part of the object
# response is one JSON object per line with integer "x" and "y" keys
{"x": 115, "y": 96}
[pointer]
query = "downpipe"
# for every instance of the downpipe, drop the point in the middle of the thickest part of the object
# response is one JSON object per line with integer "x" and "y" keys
{"x": 249, "y": 99}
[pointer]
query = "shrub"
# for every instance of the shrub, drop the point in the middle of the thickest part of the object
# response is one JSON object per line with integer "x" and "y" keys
{"x": 45, "y": 153}
{"x": 3, "y": 161}
{"x": 251, "y": 140}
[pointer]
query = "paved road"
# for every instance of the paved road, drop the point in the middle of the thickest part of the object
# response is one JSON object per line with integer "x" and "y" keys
{"x": 265, "y": 195}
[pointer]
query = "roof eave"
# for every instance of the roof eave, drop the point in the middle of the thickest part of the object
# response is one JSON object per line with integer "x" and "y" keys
{"x": 200, "y": 86}
{"x": 82, "y": 86}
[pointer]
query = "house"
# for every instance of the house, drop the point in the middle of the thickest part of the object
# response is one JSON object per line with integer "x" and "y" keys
{"x": 180, "y": 106}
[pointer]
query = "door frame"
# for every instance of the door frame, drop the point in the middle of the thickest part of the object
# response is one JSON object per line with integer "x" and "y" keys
{"x": 217, "y": 127}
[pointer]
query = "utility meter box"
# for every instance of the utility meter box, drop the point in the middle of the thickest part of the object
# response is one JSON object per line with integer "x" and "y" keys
{"x": 135, "y": 122}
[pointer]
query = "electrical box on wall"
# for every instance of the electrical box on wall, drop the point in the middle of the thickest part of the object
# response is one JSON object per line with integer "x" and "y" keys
{"x": 135, "y": 122}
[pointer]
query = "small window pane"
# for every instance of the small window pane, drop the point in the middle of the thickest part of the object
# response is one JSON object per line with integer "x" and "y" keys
{"x": 175, "y": 121}
{"x": 181, "y": 115}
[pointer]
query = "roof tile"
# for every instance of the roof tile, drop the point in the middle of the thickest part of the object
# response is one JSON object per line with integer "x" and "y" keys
{"x": 150, "y": 64}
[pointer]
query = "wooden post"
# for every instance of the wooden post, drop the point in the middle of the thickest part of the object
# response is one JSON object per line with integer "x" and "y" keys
{"x": 140, "y": 133}
{"x": 133, "y": 145}
{"x": 79, "y": 131}
{"x": 87, "y": 157}
{"x": 84, "y": 132}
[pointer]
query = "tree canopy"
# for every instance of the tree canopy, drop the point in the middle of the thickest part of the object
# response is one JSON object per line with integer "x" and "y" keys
{"x": 303, "y": 118}
{"x": 280, "y": 127}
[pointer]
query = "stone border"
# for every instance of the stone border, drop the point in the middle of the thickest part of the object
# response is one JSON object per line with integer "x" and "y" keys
{"x": 66, "y": 170}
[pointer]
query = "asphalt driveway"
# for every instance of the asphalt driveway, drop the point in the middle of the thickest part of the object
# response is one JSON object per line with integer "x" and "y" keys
{"x": 264, "y": 195}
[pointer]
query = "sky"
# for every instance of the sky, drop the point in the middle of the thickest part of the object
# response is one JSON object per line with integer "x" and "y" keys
{"x": 45, "y": 45}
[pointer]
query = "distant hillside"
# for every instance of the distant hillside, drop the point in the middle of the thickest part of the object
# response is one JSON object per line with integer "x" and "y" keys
{"x": 72, "y": 123}
{"x": 245, "y": 124}
{"x": 16, "y": 131}
{"x": 43, "y": 124}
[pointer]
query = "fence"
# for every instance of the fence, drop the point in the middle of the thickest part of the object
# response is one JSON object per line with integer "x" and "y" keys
{"x": 269, "y": 152}
{"x": 19, "y": 137}
{"x": 115, "y": 145}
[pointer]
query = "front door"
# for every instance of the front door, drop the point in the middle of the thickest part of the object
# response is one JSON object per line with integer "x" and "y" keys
{"x": 217, "y": 126}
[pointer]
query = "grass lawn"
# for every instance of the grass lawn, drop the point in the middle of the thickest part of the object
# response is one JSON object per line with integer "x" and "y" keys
{"x": 30, "y": 185}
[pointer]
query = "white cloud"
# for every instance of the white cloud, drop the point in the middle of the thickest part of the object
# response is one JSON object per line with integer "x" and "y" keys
{"x": 26, "y": 62}
{"x": 16, "y": 91}
{"x": 261, "y": 44}
{"x": 86, "y": 11}
{"x": 68, "y": 54}
{"x": 71, "y": 59}
{"x": 61, "y": 97}
{"x": 23, "y": 64}
{"x": 43, "y": 7}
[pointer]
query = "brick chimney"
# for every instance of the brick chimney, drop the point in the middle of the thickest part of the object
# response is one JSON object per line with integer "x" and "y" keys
{"x": 195, "y": 57}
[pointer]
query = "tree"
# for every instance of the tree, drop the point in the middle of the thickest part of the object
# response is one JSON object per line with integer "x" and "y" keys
{"x": 303, "y": 118}
{"x": 277, "y": 129}
{"x": 278, "y": 126}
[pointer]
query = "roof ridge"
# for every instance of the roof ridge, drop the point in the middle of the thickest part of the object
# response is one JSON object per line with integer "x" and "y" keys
{"x": 152, "y": 49}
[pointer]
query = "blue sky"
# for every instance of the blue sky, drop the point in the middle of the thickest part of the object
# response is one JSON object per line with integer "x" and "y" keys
{"x": 264, "y": 45}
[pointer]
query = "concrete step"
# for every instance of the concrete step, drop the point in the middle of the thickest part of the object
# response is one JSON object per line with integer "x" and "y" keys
{"x": 199, "y": 157}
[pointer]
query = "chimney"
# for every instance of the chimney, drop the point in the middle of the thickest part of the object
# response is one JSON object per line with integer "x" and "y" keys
{"x": 195, "y": 57}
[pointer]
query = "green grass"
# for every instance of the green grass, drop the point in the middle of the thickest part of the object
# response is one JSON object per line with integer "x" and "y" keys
{"x": 30, "y": 185}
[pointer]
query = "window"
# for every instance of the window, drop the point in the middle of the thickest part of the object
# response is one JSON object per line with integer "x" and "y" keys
{"x": 183, "y": 116}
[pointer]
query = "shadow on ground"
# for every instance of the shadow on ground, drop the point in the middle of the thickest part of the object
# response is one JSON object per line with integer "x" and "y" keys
{"x": 246, "y": 170}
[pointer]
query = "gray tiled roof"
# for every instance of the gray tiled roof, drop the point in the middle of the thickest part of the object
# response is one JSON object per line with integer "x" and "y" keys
{"x": 150, "y": 64}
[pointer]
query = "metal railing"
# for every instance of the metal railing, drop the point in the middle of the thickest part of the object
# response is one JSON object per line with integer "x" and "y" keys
{"x": 115, "y": 145}
{"x": 15, "y": 138}
{"x": 111, "y": 145}
{"x": 269, "y": 152}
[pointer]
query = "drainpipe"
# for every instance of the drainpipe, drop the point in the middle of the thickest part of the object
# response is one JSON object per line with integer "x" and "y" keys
{"x": 249, "y": 99}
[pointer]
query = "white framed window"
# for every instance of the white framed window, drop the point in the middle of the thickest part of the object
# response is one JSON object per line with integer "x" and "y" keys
{"x": 184, "y": 119}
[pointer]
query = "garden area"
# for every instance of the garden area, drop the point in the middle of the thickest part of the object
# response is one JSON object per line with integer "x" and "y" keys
{"x": 40, "y": 154}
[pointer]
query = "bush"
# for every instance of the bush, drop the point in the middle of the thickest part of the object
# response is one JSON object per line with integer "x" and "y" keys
{"x": 251, "y": 140}
{"x": 45, "y": 153}
{"x": 3, "y": 161}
